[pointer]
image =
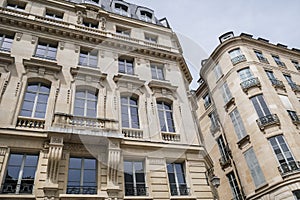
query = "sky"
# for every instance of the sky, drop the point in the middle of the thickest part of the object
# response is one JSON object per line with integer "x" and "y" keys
{"x": 199, "y": 23}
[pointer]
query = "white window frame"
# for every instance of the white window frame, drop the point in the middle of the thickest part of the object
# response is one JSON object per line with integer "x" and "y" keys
{"x": 155, "y": 68}
{"x": 164, "y": 111}
{"x": 47, "y": 47}
{"x": 129, "y": 106}
{"x": 238, "y": 124}
{"x": 235, "y": 53}
{"x": 264, "y": 110}
{"x": 226, "y": 93}
{"x": 86, "y": 99}
{"x": 218, "y": 72}
{"x": 176, "y": 178}
{"x": 235, "y": 189}
{"x": 6, "y": 39}
{"x": 245, "y": 74}
{"x": 134, "y": 177}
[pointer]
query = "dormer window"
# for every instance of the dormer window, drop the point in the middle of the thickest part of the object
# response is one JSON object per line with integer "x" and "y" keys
{"x": 146, "y": 16}
{"x": 121, "y": 9}
{"x": 151, "y": 38}
{"x": 90, "y": 23}
{"x": 91, "y": 1}
{"x": 16, "y": 5}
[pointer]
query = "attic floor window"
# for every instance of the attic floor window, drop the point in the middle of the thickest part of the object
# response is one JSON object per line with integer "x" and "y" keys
{"x": 146, "y": 16}
{"x": 121, "y": 9}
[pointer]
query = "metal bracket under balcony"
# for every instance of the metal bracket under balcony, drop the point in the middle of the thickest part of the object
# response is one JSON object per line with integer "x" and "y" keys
{"x": 277, "y": 84}
{"x": 238, "y": 59}
{"x": 288, "y": 168}
{"x": 225, "y": 162}
{"x": 132, "y": 133}
{"x": 170, "y": 137}
{"x": 252, "y": 82}
{"x": 268, "y": 120}
{"x": 295, "y": 87}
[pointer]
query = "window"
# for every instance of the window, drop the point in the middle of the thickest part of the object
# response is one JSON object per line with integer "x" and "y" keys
{"x": 224, "y": 150}
{"x": 82, "y": 176}
{"x": 213, "y": 119}
{"x": 165, "y": 114}
{"x": 123, "y": 31}
{"x": 235, "y": 53}
{"x": 146, "y": 16}
{"x": 20, "y": 174}
{"x": 151, "y": 38}
{"x": 238, "y": 124}
{"x": 284, "y": 156}
{"x": 296, "y": 64}
{"x": 35, "y": 100}
{"x": 91, "y": 1}
{"x": 207, "y": 100}
{"x": 134, "y": 177}
{"x": 176, "y": 177}
{"x": 121, "y": 9}
{"x": 270, "y": 75}
{"x": 46, "y": 50}
{"x": 6, "y": 42}
{"x": 278, "y": 61}
{"x": 254, "y": 167}
{"x": 245, "y": 74}
{"x": 260, "y": 106}
{"x": 126, "y": 66}
{"x": 289, "y": 79}
{"x": 88, "y": 58}
{"x": 218, "y": 72}
{"x": 293, "y": 115}
{"x": 236, "y": 192}
{"x": 157, "y": 71}
{"x": 90, "y": 23}
{"x": 226, "y": 93}
{"x": 296, "y": 194}
{"x": 129, "y": 112}
{"x": 52, "y": 14}
{"x": 85, "y": 103}
{"x": 16, "y": 5}
{"x": 261, "y": 57}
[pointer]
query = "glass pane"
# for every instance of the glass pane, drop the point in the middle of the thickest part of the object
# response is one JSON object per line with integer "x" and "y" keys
{"x": 29, "y": 96}
{"x": 89, "y": 164}
{"x": 92, "y": 96}
{"x": 92, "y": 105}
{"x": 13, "y": 172}
{"x": 15, "y": 159}
{"x": 32, "y": 87}
{"x": 41, "y": 107}
{"x": 28, "y": 173}
{"x": 128, "y": 167}
{"x": 74, "y": 175}
{"x": 27, "y": 106}
{"x": 91, "y": 113}
{"x": 75, "y": 163}
{"x": 79, "y": 103}
{"x": 39, "y": 114}
{"x": 140, "y": 177}
{"x": 80, "y": 94}
{"x": 31, "y": 160}
{"x": 138, "y": 166}
{"x": 79, "y": 111}
{"x": 89, "y": 176}
{"x": 25, "y": 113}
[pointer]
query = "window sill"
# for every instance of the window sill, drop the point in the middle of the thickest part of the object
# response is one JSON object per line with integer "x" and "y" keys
{"x": 187, "y": 197}
{"x": 137, "y": 197}
{"x": 82, "y": 196}
{"x": 17, "y": 196}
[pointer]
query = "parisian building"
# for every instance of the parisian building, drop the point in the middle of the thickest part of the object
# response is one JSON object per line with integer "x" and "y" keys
{"x": 248, "y": 111}
{"x": 95, "y": 104}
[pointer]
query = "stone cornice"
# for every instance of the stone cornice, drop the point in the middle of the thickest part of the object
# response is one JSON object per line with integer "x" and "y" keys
{"x": 6, "y": 59}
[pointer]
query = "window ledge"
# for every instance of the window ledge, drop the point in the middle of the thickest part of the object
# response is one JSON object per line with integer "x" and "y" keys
{"x": 17, "y": 196}
{"x": 183, "y": 197}
{"x": 162, "y": 84}
{"x": 82, "y": 196}
{"x": 137, "y": 197}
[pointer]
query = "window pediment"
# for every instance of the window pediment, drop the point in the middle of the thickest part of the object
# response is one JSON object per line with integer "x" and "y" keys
{"x": 163, "y": 87}
{"x": 129, "y": 82}
{"x": 88, "y": 74}
{"x": 5, "y": 60}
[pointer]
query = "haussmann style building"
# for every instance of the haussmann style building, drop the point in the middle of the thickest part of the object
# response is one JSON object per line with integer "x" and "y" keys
{"x": 94, "y": 104}
{"x": 248, "y": 106}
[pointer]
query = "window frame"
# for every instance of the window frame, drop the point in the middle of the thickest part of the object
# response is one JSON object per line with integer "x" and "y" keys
{"x": 235, "y": 53}
{"x": 86, "y": 100}
{"x": 223, "y": 148}
{"x": 162, "y": 112}
{"x": 151, "y": 38}
{"x": 6, "y": 39}
{"x": 218, "y": 71}
{"x": 16, "y": 5}
{"x": 130, "y": 115}
{"x": 46, "y": 47}
{"x": 54, "y": 14}
{"x": 180, "y": 191}
{"x": 226, "y": 93}
{"x": 135, "y": 183}
{"x": 238, "y": 124}
{"x": 124, "y": 31}
{"x": 121, "y": 10}
{"x": 234, "y": 186}
{"x": 260, "y": 105}
{"x": 157, "y": 71}
{"x": 87, "y": 56}
{"x": 128, "y": 63}
{"x": 245, "y": 74}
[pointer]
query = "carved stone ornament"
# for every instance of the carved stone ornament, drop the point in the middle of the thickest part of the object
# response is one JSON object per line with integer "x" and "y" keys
{"x": 103, "y": 23}
{"x": 79, "y": 17}
{"x": 54, "y": 157}
{"x": 114, "y": 158}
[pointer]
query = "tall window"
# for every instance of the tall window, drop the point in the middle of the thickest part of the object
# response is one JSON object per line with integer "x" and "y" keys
{"x": 16, "y": 5}
{"x": 245, "y": 74}
{"x": 218, "y": 71}
{"x": 165, "y": 114}
{"x": 278, "y": 61}
{"x": 129, "y": 111}
{"x": 289, "y": 79}
{"x": 213, "y": 119}
{"x": 270, "y": 75}
{"x": 254, "y": 167}
{"x": 284, "y": 155}
{"x": 177, "y": 182}
{"x": 260, "y": 106}
{"x": 6, "y": 42}
{"x": 261, "y": 57}
{"x": 46, "y": 50}
{"x": 134, "y": 177}
{"x": 20, "y": 174}
{"x": 223, "y": 149}
{"x": 82, "y": 176}
{"x": 88, "y": 58}
{"x": 126, "y": 66}
{"x": 85, "y": 103}
{"x": 90, "y": 23}
{"x": 121, "y": 9}
{"x": 157, "y": 71}
{"x": 35, "y": 100}
{"x": 207, "y": 100}
{"x": 296, "y": 64}
{"x": 238, "y": 124}
{"x": 236, "y": 192}
{"x": 146, "y": 16}
{"x": 226, "y": 93}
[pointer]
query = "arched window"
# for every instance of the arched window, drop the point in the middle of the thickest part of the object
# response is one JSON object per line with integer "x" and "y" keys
{"x": 85, "y": 103}
{"x": 165, "y": 114}
{"x": 129, "y": 112}
{"x": 35, "y": 100}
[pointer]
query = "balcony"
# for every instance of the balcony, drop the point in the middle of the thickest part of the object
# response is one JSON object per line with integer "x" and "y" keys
{"x": 34, "y": 123}
{"x": 263, "y": 60}
{"x": 170, "y": 137}
{"x": 277, "y": 84}
{"x": 132, "y": 133}
{"x": 268, "y": 120}
{"x": 252, "y": 82}
{"x": 140, "y": 190}
{"x": 295, "y": 87}
{"x": 238, "y": 59}
{"x": 12, "y": 186}
{"x": 71, "y": 189}
{"x": 214, "y": 129}
{"x": 280, "y": 63}
{"x": 290, "y": 167}
{"x": 182, "y": 190}
{"x": 225, "y": 161}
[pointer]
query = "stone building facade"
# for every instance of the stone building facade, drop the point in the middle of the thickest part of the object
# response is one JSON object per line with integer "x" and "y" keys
{"x": 248, "y": 106}
{"x": 94, "y": 104}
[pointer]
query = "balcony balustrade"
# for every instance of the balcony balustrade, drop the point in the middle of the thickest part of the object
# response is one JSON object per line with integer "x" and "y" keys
{"x": 132, "y": 133}
{"x": 268, "y": 120}
{"x": 277, "y": 83}
{"x": 280, "y": 63}
{"x": 170, "y": 137}
{"x": 289, "y": 167}
{"x": 238, "y": 59}
{"x": 26, "y": 122}
{"x": 10, "y": 186}
{"x": 71, "y": 189}
{"x": 252, "y": 82}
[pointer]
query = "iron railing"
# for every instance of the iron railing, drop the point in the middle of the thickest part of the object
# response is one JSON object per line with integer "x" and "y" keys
{"x": 11, "y": 186}
{"x": 267, "y": 121}
{"x": 288, "y": 167}
{"x": 182, "y": 190}
{"x": 263, "y": 60}
{"x": 75, "y": 189}
{"x": 280, "y": 63}
{"x": 252, "y": 82}
{"x": 295, "y": 87}
{"x": 238, "y": 59}
{"x": 140, "y": 190}
{"x": 277, "y": 83}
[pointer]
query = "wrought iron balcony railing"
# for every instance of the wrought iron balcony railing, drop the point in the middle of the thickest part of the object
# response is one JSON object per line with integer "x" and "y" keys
{"x": 140, "y": 190}
{"x": 75, "y": 189}
{"x": 182, "y": 190}
{"x": 225, "y": 161}
{"x": 268, "y": 120}
{"x": 277, "y": 83}
{"x": 11, "y": 186}
{"x": 252, "y": 82}
{"x": 5, "y": 49}
{"x": 263, "y": 60}
{"x": 291, "y": 166}
{"x": 295, "y": 87}
{"x": 238, "y": 59}
{"x": 280, "y": 63}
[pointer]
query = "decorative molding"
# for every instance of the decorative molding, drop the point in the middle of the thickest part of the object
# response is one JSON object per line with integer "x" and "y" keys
{"x": 3, "y": 151}
{"x": 114, "y": 159}
{"x": 54, "y": 157}
{"x": 77, "y": 47}
{"x": 79, "y": 17}
{"x": 19, "y": 36}
{"x": 34, "y": 39}
{"x": 103, "y": 23}
{"x": 61, "y": 45}
{"x": 17, "y": 88}
{"x": 130, "y": 83}
{"x": 164, "y": 88}
{"x": 88, "y": 74}
{"x": 156, "y": 161}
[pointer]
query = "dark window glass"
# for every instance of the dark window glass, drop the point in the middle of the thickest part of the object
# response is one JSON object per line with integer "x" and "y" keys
{"x": 176, "y": 177}
{"x": 165, "y": 114}
{"x": 134, "y": 177}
